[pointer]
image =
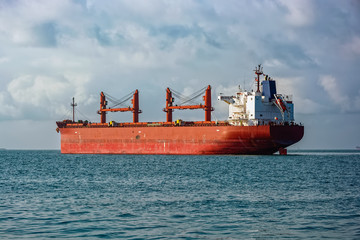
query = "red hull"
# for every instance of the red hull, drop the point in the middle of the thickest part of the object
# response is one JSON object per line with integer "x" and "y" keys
{"x": 192, "y": 140}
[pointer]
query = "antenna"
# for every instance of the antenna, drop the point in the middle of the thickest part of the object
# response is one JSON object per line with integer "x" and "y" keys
{"x": 258, "y": 71}
{"x": 73, "y": 104}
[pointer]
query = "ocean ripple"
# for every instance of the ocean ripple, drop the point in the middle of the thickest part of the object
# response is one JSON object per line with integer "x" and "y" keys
{"x": 44, "y": 194}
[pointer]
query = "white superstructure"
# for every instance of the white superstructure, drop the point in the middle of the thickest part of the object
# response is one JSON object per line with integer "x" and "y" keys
{"x": 260, "y": 107}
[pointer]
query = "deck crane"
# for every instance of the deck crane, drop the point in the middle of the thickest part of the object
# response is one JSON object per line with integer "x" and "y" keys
{"x": 169, "y": 108}
{"x": 134, "y": 109}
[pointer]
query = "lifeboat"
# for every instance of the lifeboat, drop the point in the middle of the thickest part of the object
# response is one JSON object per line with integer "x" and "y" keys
{"x": 281, "y": 104}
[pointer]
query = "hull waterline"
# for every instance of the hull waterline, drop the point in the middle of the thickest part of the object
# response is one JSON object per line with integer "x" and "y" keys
{"x": 199, "y": 140}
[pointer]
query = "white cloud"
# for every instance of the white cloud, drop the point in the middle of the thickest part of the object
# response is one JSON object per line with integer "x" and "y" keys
{"x": 7, "y": 110}
{"x": 273, "y": 63}
{"x": 46, "y": 93}
{"x": 331, "y": 87}
{"x": 357, "y": 101}
{"x": 307, "y": 106}
{"x": 304, "y": 100}
{"x": 337, "y": 96}
{"x": 353, "y": 46}
{"x": 3, "y": 60}
{"x": 36, "y": 90}
{"x": 26, "y": 23}
{"x": 80, "y": 48}
{"x": 300, "y": 12}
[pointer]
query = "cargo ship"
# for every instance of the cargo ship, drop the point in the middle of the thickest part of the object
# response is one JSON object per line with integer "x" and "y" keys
{"x": 259, "y": 122}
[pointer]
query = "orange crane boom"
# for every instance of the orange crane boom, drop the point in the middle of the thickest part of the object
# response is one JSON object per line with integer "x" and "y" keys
{"x": 135, "y": 109}
{"x": 207, "y": 106}
{"x": 187, "y": 107}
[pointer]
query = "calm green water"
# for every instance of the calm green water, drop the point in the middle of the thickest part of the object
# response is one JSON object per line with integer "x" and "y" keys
{"x": 314, "y": 194}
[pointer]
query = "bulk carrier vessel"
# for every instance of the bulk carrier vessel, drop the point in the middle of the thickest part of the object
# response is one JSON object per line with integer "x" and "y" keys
{"x": 259, "y": 122}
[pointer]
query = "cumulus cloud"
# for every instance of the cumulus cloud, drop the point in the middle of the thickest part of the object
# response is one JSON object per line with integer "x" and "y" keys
{"x": 8, "y": 110}
{"x": 352, "y": 47}
{"x": 36, "y": 25}
{"x": 337, "y": 96}
{"x": 36, "y": 90}
{"x": 300, "y": 12}
{"x": 51, "y": 51}
{"x": 3, "y": 60}
{"x": 44, "y": 93}
{"x": 357, "y": 101}
{"x": 304, "y": 100}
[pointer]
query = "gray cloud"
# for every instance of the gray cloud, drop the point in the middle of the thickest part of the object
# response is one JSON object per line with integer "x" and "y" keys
{"x": 51, "y": 51}
{"x": 46, "y": 34}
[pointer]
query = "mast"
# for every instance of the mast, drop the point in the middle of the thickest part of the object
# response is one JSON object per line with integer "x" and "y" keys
{"x": 258, "y": 71}
{"x": 169, "y": 101}
{"x": 73, "y": 104}
{"x": 208, "y": 108}
{"x": 135, "y": 108}
{"x": 102, "y": 107}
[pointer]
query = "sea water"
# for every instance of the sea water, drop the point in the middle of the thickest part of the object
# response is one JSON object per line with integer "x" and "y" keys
{"x": 306, "y": 194}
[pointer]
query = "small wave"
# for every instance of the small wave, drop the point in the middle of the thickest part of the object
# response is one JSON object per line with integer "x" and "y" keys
{"x": 178, "y": 216}
{"x": 126, "y": 215}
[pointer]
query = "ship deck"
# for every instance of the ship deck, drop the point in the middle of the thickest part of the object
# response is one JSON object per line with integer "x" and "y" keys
{"x": 112, "y": 124}
{"x": 193, "y": 138}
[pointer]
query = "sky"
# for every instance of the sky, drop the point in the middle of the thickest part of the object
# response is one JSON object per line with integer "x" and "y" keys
{"x": 51, "y": 51}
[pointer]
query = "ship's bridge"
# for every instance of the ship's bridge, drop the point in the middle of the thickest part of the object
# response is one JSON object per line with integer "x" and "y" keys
{"x": 260, "y": 107}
